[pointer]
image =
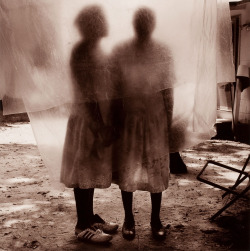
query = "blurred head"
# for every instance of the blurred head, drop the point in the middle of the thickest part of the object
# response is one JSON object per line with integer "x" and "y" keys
{"x": 144, "y": 23}
{"x": 91, "y": 22}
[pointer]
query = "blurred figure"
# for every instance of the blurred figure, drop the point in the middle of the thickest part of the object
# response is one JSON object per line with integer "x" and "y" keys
{"x": 142, "y": 76}
{"x": 85, "y": 163}
{"x": 177, "y": 165}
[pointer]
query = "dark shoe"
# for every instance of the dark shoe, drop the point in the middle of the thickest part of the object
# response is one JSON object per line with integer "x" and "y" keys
{"x": 128, "y": 230}
{"x": 106, "y": 227}
{"x": 158, "y": 230}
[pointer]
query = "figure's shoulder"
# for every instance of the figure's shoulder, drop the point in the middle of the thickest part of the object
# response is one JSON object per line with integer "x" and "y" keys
{"x": 162, "y": 50}
{"x": 122, "y": 48}
{"x": 160, "y": 46}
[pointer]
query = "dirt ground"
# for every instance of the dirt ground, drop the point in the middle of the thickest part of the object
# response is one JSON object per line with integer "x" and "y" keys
{"x": 34, "y": 216}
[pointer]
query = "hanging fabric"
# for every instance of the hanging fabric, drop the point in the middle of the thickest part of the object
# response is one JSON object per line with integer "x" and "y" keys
{"x": 191, "y": 53}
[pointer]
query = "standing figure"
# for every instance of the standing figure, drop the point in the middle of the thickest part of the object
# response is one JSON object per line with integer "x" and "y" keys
{"x": 86, "y": 163}
{"x": 142, "y": 77}
{"x": 177, "y": 165}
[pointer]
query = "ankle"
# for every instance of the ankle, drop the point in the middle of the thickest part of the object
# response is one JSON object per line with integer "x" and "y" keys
{"x": 129, "y": 218}
{"x": 82, "y": 225}
{"x": 155, "y": 220}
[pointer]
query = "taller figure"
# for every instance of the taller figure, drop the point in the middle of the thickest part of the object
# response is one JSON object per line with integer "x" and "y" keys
{"x": 86, "y": 164}
{"x": 142, "y": 75}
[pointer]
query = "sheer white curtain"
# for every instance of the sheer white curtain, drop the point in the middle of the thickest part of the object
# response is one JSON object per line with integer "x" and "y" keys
{"x": 37, "y": 38}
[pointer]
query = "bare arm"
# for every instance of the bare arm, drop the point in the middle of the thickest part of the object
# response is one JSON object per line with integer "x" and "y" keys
{"x": 167, "y": 95}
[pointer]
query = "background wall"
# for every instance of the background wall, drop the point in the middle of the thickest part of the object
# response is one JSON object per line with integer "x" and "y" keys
{"x": 244, "y": 59}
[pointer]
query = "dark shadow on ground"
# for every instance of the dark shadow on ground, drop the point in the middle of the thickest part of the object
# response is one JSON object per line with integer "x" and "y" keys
{"x": 238, "y": 228}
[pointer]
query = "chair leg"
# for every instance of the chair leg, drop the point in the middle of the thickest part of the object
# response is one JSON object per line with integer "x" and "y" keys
{"x": 229, "y": 190}
{"x": 230, "y": 203}
{"x": 237, "y": 182}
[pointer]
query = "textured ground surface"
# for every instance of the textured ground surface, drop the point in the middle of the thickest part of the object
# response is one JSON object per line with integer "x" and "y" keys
{"x": 34, "y": 216}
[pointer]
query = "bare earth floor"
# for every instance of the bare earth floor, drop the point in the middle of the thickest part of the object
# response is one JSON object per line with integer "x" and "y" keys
{"x": 34, "y": 216}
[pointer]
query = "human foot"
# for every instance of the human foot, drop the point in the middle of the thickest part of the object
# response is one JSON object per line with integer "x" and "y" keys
{"x": 128, "y": 230}
{"x": 158, "y": 230}
{"x": 107, "y": 227}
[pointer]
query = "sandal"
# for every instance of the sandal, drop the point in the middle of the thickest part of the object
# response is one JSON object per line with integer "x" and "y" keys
{"x": 106, "y": 227}
{"x": 128, "y": 230}
{"x": 158, "y": 230}
{"x": 94, "y": 236}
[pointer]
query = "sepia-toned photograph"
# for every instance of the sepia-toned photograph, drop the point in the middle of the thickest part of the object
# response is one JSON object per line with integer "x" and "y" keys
{"x": 125, "y": 125}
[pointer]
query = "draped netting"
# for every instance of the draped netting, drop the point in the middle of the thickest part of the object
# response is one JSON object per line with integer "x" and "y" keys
{"x": 68, "y": 98}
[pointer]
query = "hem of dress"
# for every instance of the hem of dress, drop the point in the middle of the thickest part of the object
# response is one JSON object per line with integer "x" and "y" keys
{"x": 136, "y": 188}
{"x": 87, "y": 187}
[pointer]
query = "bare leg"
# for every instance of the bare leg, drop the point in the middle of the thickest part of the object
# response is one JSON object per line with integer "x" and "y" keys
{"x": 128, "y": 228}
{"x": 156, "y": 207}
{"x": 127, "y": 199}
{"x": 85, "y": 213}
{"x": 91, "y": 203}
{"x": 82, "y": 207}
{"x": 158, "y": 231}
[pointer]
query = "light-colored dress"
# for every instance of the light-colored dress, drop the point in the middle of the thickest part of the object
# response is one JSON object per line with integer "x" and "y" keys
{"x": 86, "y": 158}
{"x": 141, "y": 115}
